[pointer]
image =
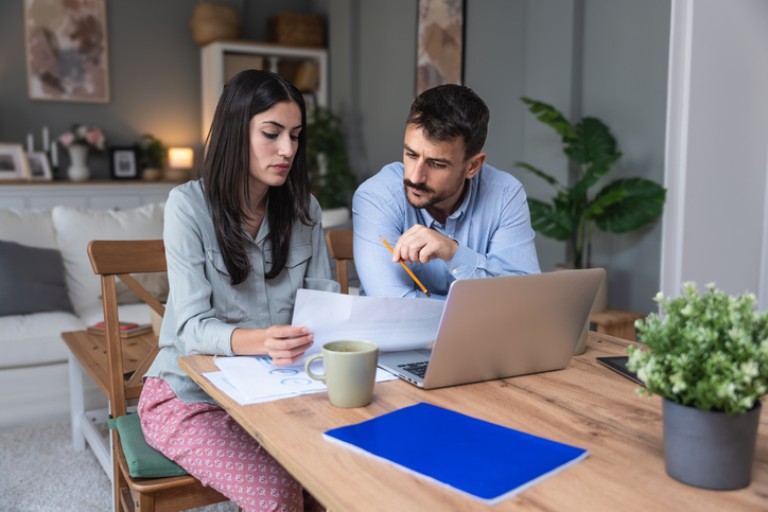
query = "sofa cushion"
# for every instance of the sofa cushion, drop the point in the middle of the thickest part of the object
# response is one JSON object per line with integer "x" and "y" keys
{"x": 28, "y": 227}
{"x": 75, "y": 227}
{"x": 32, "y": 280}
{"x": 35, "y": 339}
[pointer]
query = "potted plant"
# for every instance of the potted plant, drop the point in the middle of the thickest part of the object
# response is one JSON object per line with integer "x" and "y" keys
{"x": 707, "y": 357}
{"x": 331, "y": 174}
{"x": 151, "y": 155}
{"x": 621, "y": 206}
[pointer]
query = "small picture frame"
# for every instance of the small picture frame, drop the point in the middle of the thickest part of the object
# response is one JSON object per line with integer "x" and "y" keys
{"x": 39, "y": 166}
{"x": 124, "y": 163}
{"x": 13, "y": 162}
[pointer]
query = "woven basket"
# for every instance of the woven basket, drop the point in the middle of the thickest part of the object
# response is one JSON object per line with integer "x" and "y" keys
{"x": 214, "y": 22}
{"x": 297, "y": 29}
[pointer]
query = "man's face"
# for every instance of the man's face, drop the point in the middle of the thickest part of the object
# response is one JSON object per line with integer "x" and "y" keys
{"x": 436, "y": 172}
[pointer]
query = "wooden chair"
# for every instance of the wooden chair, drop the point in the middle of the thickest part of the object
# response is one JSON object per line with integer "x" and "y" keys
{"x": 339, "y": 243}
{"x": 111, "y": 259}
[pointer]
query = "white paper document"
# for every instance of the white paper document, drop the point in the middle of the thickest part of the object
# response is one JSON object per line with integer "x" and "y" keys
{"x": 254, "y": 379}
{"x": 401, "y": 323}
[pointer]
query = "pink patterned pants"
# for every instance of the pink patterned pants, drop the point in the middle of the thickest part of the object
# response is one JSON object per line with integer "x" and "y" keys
{"x": 211, "y": 446}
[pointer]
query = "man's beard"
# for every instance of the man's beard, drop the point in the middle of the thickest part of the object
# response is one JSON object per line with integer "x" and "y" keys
{"x": 425, "y": 202}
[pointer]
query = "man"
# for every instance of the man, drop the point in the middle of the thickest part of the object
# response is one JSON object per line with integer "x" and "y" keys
{"x": 447, "y": 213}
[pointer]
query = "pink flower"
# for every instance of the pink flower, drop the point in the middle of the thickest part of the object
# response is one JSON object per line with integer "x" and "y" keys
{"x": 86, "y": 135}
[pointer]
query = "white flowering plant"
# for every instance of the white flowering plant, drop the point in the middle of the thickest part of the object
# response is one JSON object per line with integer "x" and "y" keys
{"x": 88, "y": 136}
{"x": 708, "y": 351}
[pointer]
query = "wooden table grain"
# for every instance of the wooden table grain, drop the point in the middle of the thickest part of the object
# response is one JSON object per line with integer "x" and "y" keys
{"x": 586, "y": 405}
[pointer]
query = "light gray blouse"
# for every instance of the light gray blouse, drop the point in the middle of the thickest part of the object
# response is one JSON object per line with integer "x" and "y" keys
{"x": 204, "y": 307}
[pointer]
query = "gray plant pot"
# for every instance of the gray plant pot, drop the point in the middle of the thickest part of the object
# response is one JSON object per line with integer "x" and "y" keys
{"x": 709, "y": 449}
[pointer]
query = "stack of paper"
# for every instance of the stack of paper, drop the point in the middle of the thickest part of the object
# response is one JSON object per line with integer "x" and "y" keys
{"x": 254, "y": 379}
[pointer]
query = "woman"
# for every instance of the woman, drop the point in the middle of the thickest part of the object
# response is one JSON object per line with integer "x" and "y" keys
{"x": 239, "y": 242}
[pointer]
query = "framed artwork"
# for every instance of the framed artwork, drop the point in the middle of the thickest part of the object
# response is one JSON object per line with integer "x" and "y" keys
{"x": 39, "y": 166}
{"x": 13, "y": 162}
{"x": 124, "y": 163}
{"x": 66, "y": 46}
{"x": 440, "y": 44}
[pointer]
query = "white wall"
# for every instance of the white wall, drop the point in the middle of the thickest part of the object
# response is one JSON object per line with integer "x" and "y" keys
{"x": 717, "y": 147}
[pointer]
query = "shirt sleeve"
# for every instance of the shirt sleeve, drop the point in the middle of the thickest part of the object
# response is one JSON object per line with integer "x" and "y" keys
{"x": 374, "y": 215}
{"x": 511, "y": 249}
{"x": 197, "y": 330}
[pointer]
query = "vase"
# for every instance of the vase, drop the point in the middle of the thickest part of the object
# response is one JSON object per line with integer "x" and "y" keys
{"x": 78, "y": 156}
{"x": 709, "y": 449}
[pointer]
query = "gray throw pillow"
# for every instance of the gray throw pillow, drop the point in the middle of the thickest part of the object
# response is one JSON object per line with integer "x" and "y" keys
{"x": 32, "y": 280}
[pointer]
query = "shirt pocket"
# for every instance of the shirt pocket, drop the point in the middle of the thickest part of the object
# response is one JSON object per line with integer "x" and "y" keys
{"x": 226, "y": 299}
{"x": 281, "y": 290}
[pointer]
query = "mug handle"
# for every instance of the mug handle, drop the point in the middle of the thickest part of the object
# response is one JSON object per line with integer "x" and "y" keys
{"x": 312, "y": 375}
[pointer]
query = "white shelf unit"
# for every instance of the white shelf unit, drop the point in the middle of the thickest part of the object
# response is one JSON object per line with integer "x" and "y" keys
{"x": 221, "y": 60}
{"x": 102, "y": 195}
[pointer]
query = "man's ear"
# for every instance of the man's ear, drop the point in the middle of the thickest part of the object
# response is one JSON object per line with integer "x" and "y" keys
{"x": 475, "y": 164}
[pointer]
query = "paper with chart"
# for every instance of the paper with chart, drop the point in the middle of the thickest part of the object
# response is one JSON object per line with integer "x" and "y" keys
{"x": 254, "y": 379}
{"x": 401, "y": 323}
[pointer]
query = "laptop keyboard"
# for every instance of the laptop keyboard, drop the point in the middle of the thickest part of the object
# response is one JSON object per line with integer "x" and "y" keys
{"x": 419, "y": 368}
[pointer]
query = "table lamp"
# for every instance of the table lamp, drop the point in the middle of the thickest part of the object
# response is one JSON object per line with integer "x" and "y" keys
{"x": 179, "y": 164}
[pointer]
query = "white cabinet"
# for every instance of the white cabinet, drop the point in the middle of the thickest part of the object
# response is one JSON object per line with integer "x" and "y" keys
{"x": 307, "y": 68}
{"x": 102, "y": 195}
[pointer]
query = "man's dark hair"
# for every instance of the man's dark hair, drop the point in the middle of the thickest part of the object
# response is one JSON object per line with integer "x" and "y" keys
{"x": 226, "y": 171}
{"x": 449, "y": 111}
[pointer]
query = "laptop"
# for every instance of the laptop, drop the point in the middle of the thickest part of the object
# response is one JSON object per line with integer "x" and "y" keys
{"x": 499, "y": 327}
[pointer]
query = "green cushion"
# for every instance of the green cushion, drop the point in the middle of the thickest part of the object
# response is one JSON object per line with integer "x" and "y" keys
{"x": 143, "y": 460}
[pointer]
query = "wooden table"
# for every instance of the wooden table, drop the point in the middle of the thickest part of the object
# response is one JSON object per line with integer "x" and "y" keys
{"x": 585, "y": 405}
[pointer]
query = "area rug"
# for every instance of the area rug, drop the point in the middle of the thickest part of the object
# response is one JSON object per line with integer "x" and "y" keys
{"x": 40, "y": 472}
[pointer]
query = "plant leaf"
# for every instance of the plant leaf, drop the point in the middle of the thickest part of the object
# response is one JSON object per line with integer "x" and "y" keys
{"x": 538, "y": 172}
{"x": 642, "y": 204}
{"x": 592, "y": 142}
{"x": 549, "y": 221}
{"x": 592, "y": 175}
{"x": 550, "y": 116}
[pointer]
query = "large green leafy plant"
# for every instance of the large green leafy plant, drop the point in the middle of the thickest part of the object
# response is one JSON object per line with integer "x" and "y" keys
{"x": 708, "y": 351}
{"x": 331, "y": 174}
{"x": 621, "y": 206}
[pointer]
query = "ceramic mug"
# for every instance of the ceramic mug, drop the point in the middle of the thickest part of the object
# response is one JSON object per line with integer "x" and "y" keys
{"x": 349, "y": 371}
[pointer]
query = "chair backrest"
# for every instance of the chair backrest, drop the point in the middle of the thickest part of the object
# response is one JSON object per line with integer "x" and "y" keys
{"x": 119, "y": 259}
{"x": 340, "y": 248}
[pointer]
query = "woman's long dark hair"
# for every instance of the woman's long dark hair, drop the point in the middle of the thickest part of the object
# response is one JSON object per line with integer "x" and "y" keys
{"x": 226, "y": 169}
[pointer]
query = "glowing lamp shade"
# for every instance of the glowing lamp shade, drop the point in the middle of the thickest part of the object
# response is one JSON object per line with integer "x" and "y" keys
{"x": 179, "y": 164}
{"x": 180, "y": 158}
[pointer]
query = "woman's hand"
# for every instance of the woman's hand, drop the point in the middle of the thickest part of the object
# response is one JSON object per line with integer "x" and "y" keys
{"x": 285, "y": 344}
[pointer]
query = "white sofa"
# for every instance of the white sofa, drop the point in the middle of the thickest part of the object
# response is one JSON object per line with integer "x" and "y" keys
{"x": 33, "y": 357}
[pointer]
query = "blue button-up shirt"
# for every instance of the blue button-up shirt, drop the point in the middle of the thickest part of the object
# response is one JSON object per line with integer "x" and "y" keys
{"x": 492, "y": 227}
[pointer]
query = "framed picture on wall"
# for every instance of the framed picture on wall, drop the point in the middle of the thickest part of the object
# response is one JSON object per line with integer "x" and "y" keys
{"x": 66, "y": 47}
{"x": 440, "y": 43}
{"x": 39, "y": 166}
{"x": 124, "y": 163}
{"x": 13, "y": 162}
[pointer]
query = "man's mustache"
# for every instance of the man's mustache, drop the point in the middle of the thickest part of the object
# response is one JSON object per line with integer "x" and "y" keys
{"x": 417, "y": 186}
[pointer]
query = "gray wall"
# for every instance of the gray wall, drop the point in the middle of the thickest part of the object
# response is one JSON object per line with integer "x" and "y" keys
{"x": 606, "y": 58}
{"x": 596, "y": 57}
{"x": 154, "y": 71}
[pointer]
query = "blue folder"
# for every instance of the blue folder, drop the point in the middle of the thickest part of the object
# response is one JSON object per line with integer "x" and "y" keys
{"x": 487, "y": 461}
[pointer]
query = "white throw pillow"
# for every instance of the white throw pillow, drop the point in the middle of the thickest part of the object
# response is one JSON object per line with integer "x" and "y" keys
{"x": 27, "y": 227}
{"x": 75, "y": 227}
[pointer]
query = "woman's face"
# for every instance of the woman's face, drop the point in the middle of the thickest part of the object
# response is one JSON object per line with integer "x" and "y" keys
{"x": 274, "y": 137}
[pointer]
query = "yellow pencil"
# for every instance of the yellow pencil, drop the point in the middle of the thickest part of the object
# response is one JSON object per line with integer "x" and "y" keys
{"x": 410, "y": 273}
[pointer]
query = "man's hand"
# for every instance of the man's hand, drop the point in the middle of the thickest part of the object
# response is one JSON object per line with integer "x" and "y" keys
{"x": 421, "y": 244}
